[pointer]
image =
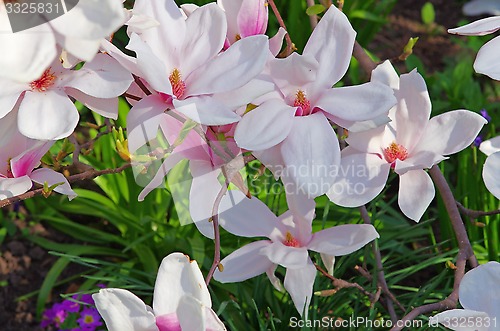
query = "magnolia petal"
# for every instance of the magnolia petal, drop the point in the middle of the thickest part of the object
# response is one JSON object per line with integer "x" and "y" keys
{"x": 358, "y": 103}
{"x": 128, "y": 62}
{"x": 478, "y": 28}
{"x": 311, "y": 153}
{"x": 123, "y": 311}
{"x": 231, "y": 8}
{"x": 104, "y": 107}
{"x": 271, "y": 158}
{"x": 486, "y": 62}
{"x": 244, "y": 263}
{"x": 329, "y": 262}
{"x": 245, "y": 217}
{"x": 212, "y": 321}
{"x": 491, "y": 175}
{"x": 371, "y": 141}
{"x": 103, "y": 77}
{"x": 452, "y": 320}
{"x": 362, "y": 177}
{"x": 289, "y": 257}
{"x": 491, "y": 146}
{"x": 451, "y": 132}
{"x": 343, "y": 239}
{"x": 153, "y": 70}
{"x": 331, "y": 43}
{"x": 81, "y": 49}
{"x": 205, "y": 188}
{"x": 52, "y": 177}
{"x": 275, "y": 281}
{"x": 177, "y": 277}
{"x": 414, "y": 109}
{"x": 293, "y": 72}
{"x": 24, "y": 163}
{"x": 47, "y": 115}
{"x": 11, "y": 92}
{"x": 385, "y": 74}
{"x": 299, "y": 283}
{"x": 232, "y": 69}
{"x": 252, "y": 17}
{"x": 206, "y": 110}
{"x": 479, "y": 289}
{"x": 265, "y": 126}
{"x": 276, "y": 42}
{"x": 479, "y": 7}
{"x": 159, "y": 178}
{"x": 191, "y": 314}
{"x": 416, "y": 192}
{"x": 11, "y": 187}
{"x": 205, "y": 34}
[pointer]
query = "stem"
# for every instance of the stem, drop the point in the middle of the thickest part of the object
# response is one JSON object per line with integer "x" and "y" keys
{"x": 289, "y": 44}
{"x": 313, "y": 19}
{"x": 364, "y": 60}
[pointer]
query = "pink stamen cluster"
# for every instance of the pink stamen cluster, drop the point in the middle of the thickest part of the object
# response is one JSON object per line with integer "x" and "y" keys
{"x": 302, "y": 102}
{"x": 178, "y": 85}
{"x": 290, "y": 240}
{"x": 45, "y": 82}
{"x": 395, "y": 152}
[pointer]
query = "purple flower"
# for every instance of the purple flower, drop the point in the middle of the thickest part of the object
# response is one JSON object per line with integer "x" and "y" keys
{"x": 87, "y": 298}
{"x": 485, "y": 114}
{"x": 71, "y": 306}
{"x": 477, "y": 141}
{"x": 89, "y": 319}
{"x": 60, "y": 314}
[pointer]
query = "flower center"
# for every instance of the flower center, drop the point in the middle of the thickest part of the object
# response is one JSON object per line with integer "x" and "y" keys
{"x": 178, "y": 85}
{"x": 237, "y": 37}
{"x": 303, "y": 103}
{"x": 88, "y": 319}
{"x": 43, "y": 83}
{"x": 290, "y": 240}
{"x": 394, "y": 152}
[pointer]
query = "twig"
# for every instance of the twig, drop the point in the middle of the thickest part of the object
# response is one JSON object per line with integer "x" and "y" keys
{"x": 143, "y": 87}
{"x": 289, "y": 44}
{"x": 364, "y": 60}
{"x": 380, "y": 269}
{"x": 313, "y": 19}
{"x": 476, "y": 213}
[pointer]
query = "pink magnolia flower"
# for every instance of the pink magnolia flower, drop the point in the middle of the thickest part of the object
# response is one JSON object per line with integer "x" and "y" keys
{"x": 479, "y": 295}
{"x": 244, "y": 18}
{"x": 45, "y": 110}
{"x": 181, "y": 59}
{"x": 291, "y": 128}
{"x": 491, "y": 173}
{"x": 479, "y": 7}
{"x": 289, "y": 239}
{"x": 181, "y": 302}
{"x": 78, "y": 31}
{"x": 486, "y": 61}
{"x": 19, "y": 157}
{"x": 410, "y": 143}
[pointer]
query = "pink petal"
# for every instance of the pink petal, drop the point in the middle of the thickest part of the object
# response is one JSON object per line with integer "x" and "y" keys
{"x": 479, "y": 289}
{"x": 206, "y": 110}
{"x": 276, "y": 42}
{"x": 416, "y": 192}
{"x": 486, "y": 61}
{"x": 24, "y": 164}
{"x": 52, "y": 177}
{"x": 104, "y": 107}
{"x": 299, "y": 283}
{"x": 287, "y": 256}
{"x": 252, "y": 17}
{"x": 478, "y": 28}
{"x": 11, "y": 187}
{"x": 385, "y": 74}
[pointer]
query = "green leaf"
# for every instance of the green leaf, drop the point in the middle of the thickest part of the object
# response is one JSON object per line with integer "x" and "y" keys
{"x": 315, "y": 10}
{"x": 428, "y": 13}
{"x": 366, "y": 15}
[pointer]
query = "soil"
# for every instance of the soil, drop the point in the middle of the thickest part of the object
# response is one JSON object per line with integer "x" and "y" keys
{"x": 23, "y": 265}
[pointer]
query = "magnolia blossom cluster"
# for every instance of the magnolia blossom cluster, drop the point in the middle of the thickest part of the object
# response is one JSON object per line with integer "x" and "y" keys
{"x": 208, "y": 81}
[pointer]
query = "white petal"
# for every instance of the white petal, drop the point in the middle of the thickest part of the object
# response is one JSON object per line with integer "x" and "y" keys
{"x": 292, "y": 73}
{"x": 386, "y": 74}
{"x": 458, "y": 319}
{"x": 79, "y": 48}
{"x": 479, "y": 289}
{"x": 275, "y": 281}
{"x": 491, "y": 146}
{"x": 47, "y": 115}
{"x": 103, "y": 77}
{"x": 289, "y": 257}
{"x": 245, "y": 217}
{"x": 123, "y": 311}
{"x": 372, "y": 141}
{"x": 416, "y": 192}
{"x": 276, "y": 42}
{"x": 43, "y": 175}
{"x": 299, "y": 283}
{"x": 212, "y": 321}
{"x": 11, "y": 91}
{"x": 206, "y": 110}
{"x": 329, "y": 262}
{"x": 491, "y": 174}
{"x": 478, "y": 7}
{"x": 312, "y": 154}
{"x": 265, "y": 126}
{"x": 191, "y": 314}
{"x": 343, "y": 239}
{"x": 361, "y": 178}
{"x": 104, "y": 107}
{"x": 478, "y": 28}
{"x": 331, "y": 43}
{"x": 178, "y": 276}
{"x": 451, "y": 132}
{"x": 414, "y": 109}
{"x": 128, "y": 62}
{"x": 11, "y": 187}
{"x": 244, "y": 263}
{"x": 358, "y": 103}
{"x": 486, "y": 61}
{"x": 232, "y": 69}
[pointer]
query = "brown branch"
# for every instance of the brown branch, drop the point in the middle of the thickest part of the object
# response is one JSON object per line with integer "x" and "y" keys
{"x": 313, "y": 19}
{"x": 380, "y": 270}
{"x": 290, "y": 47}
{"x": 364, "y": 60}
{"x": 143, "y": 87}
{"x": 476, "y": 213}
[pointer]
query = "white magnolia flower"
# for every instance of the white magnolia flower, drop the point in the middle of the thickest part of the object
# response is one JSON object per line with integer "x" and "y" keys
{"x": 181, "y": 302}
{"x": 479, "y": 295}
{"x": 289, "y": 237}
{"x": 491, "y": 170}
{"x": 79, "y": 31}
{"x": 410, "y": 143}
{"x": 479, "y": 7}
